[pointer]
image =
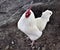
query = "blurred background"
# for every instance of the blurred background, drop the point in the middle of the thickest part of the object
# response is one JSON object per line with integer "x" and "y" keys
{"x": 13, "y": 39}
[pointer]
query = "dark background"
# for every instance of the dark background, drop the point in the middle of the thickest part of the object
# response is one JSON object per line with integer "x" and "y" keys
{"x": 13, "y": 39}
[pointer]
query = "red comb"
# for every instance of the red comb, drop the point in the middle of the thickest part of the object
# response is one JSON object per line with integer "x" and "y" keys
{"x": 27, "y": 13}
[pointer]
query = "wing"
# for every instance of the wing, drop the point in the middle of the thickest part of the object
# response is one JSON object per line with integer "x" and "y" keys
{"x": 39, "y": 23}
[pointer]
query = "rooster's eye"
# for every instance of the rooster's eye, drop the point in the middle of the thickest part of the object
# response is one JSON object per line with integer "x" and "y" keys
{"x": 50, "y": 13}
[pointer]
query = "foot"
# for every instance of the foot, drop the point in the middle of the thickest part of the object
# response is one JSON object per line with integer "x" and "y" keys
{"x": 31, "y": 43}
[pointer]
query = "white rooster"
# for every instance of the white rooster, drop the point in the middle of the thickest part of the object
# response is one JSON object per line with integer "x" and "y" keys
{"x": 32, "y": 26}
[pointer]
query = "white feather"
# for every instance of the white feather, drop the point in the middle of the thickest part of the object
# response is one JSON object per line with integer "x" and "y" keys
{"x": 42, "y": 21}
{"x": 28, "y": 26}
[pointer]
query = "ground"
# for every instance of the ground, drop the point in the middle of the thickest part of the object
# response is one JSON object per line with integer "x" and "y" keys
{"x": 11, "y": 38}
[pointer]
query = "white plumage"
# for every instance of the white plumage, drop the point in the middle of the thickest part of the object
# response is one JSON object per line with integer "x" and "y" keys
{"x": 42, "y": 21}
{"x": 32, "y": 26}
{"x": 28, "y": 26}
